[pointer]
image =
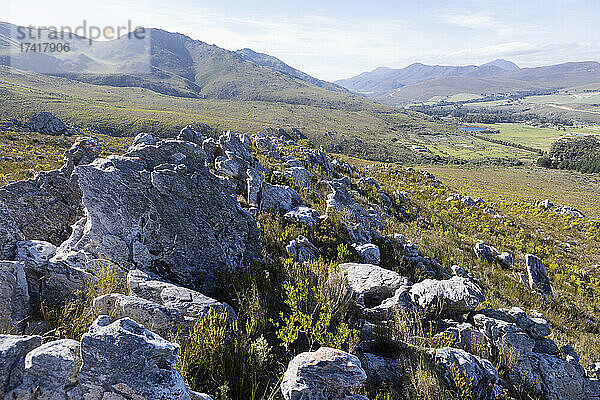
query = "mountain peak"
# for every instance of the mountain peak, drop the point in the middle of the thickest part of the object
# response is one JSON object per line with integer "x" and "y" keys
{"x": 502, "y": 63}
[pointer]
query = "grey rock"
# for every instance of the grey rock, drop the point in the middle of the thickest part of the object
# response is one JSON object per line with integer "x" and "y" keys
{"x": 368, "y": 183}
{"x": 210, "y": 147}
{"x": 191, "y": 304}
{"x": 254, "y": 182}
{"x": 10, "y": 234}
{"x": 506, "y": 259}
{"x": 47, "y": 123}
{"x": 145, "y": 312}
{"x": 199, "y": 396}
{"x": 142, "y": 198}
{"x": 325, "y": 374}
{"x": 302, "y": 250}
{"x": 304, "y": 215}
{"x": 13, "y": 350}
{"x": 319, "y": 158}
{"x": 483, "y": 374}
{"x": 452, "y": 296}
{"x": 51, "y": 371}
{"x": 85, "y": 150}
{"x": 189, "y": 134}
{"x": 368, "y": 253}
{"x": 378, "y": 291}
{"x": 231, "y": 143}
{"x": 299, "y": 175}
{"x": 144, "y": 139}
{"x": 486, "y": 252}
{"x": 274, "y": 198}
{"x": 124, "y": 358}
{"x": 536, "y": 272}
{"x": 14, "y": 296}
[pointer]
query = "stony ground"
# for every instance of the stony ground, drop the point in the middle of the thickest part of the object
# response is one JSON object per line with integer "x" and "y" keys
{"x": 259, "y": 267}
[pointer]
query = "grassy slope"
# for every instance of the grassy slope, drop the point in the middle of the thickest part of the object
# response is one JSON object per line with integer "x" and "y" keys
{"x": 366, "y": 131}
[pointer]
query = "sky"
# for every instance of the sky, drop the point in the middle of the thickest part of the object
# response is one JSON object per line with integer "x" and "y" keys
{"x": 338, "y": 39}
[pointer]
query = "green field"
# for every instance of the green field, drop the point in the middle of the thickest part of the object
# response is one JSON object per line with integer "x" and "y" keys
{"x": 566, "y": 98}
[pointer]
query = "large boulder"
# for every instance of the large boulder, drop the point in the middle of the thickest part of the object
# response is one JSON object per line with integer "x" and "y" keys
{"x": 156, "y": 317}
{"x": 47, "y": 123}
{"x": 536, "y": 272}
{"x": 35, "y": 256}
{"x": 159, "y": 208}
{"x": 368, "y": 253}
{"x": 325, "y": 374}
{"x": 51, "y": 371}
{"x": 14, "y": 296}
{"x": 274, "y": 198}
{"x": 13, "y": 350}
{"x": 378, "y": 291}
{"x": 452, "y": 296}
{"x": 125, "y": 359}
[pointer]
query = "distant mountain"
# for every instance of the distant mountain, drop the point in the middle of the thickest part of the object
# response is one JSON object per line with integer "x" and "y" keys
{"x": 273, "y": 62}
{"x": 175, "y": 64}
{"x": 383, "y": 79}
{"x": 419, "y": 82}
{"x": 502, "y": 63}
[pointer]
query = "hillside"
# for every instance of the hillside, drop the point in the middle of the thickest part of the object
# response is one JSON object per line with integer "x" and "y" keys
{"x": 172, "y": 64}
{"x": 371, "y": 131}
{"x": 269, "y": 61}
{"x": 307, "y": 274}
{"x": 420, "y": 83}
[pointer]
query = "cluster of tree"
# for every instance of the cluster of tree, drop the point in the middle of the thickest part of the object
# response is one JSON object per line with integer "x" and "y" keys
{"x": 579, "y": 154}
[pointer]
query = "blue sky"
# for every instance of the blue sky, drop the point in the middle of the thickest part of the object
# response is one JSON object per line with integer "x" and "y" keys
{"x": 343, "y": 38}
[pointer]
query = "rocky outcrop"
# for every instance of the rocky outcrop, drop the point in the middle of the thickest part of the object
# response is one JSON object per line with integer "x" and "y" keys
{"x": 13, "y": 350}
{"x": 452, "y": 296}
{"x": 159, "y": 208}
{"x": 537, "y": 278}
{"x": 325, "y": 374}
{"x": 47, "y": 123}
{"x": 123, "y": 360}
{"x": 302, "y": 250}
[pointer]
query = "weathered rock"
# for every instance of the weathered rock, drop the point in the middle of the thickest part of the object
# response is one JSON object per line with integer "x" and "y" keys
{"x": 145, "y": 312}
{"x": 368, "y": 183}
{"x": 42, "y": 208}
{"x": 51, "y": 371}
{"x": 274, "y": 198}
{"x": 144, "y": 139}
{"x": 191, "y": 304}
{"x": 254, "y": 182}
{"x": 456, "y": 361}
{"x": 319, "y": 158}
{"x": 381, "y": 371}
{"x": 299, "y": 175}
{"x": 159, "y": 208}
{"x": 14, "y": 296}
{"x": 378, "y": 291}
{"x": 536, "y": 272}
{"x": 124, "y": 358}
{"x": 189, "y": 134}
{"x": 304, "y": 215}
{"x": 13, "y": 350}
{"x": 368, "y": 253}
{"x": 452, "y": 296}
{"x": 326, "y": 374}
{"x": 210, "y": 147}
{"x": 486, "y": 252}
{"x": 231, "y": 143}
{"x": 85, "y": 150}
{"x": 302, "y": 250}
{"x": 47, "y": 123}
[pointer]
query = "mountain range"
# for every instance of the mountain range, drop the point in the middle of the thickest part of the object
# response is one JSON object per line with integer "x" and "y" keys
{"x": 175, "y": 64}
{"x": 419, "y": 82}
